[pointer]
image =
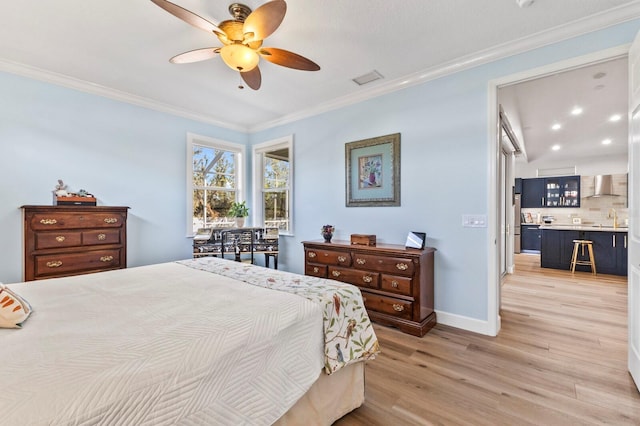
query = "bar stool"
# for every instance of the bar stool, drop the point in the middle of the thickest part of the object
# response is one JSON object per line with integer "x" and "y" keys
{"x": 579, "y": 244}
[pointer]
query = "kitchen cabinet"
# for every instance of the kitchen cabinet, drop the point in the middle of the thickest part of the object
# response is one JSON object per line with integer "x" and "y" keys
{"x": 562, "y": 191}
{"x": 532, "y": 193}
{"x": 609, "y": 250}
{"x": 530, "y": 238}
{"x": 518, "y": 186}
{"x": 556, "y": 248}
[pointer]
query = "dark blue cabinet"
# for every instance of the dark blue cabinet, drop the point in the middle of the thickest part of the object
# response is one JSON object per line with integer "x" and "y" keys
{"x": 562, "y": 191}
{"x": 518, "y": 186}
{"x": 609, "y": 250}
{"x": 532, "y": 193}
{"x": 557, "y": 248}
{"x": 530, "y": 238}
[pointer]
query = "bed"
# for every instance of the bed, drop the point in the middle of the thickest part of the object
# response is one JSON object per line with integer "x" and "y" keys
{"x": 199, "y": 341}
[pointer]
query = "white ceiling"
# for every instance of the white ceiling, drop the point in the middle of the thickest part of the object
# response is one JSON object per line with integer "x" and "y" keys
{"x": 120, "y": 48}
{"x": 600, "y": 90}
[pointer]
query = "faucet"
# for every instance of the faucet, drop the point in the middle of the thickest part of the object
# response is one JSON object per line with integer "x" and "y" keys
{"x": 615, "y": 217}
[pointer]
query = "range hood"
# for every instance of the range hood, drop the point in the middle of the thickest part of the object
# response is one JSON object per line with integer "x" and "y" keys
{"x": 603, "y": 186}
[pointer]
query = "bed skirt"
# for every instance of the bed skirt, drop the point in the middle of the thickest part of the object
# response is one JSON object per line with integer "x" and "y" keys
{"x": 330, "y": 398}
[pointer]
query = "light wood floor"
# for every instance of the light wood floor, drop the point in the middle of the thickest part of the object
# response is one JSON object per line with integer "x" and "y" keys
{"x": 560, "y": 359}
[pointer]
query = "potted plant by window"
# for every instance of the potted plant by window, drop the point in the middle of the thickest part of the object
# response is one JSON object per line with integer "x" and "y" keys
{"x": 239, "y": 211}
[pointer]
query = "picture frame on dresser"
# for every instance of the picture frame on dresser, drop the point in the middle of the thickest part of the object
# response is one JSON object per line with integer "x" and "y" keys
{"x": 372, "y": 172}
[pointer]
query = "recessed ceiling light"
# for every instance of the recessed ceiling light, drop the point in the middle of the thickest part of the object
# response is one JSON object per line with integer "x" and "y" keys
{"x": 615, "y": 117}
{"x": 555, "y": 147}
{"x": 556, "y": 126}
{"x": 576, "y": 111}
{"x": 606, "y": 141}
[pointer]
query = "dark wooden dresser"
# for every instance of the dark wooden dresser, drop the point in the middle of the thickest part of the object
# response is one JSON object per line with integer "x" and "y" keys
{"x": 396, "y": 282}
{"x": 72, "y": 240}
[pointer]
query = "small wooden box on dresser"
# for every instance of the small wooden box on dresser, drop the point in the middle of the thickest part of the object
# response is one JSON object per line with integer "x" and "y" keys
{"x": 396, "y": 282}
{"x": 73, "y": 240}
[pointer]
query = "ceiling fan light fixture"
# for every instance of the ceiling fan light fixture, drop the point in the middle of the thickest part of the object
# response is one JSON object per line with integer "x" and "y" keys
{"x": 239, "y": 57}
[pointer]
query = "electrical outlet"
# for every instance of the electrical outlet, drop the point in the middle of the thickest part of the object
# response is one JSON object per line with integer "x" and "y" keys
{"x": 474, "y": 220}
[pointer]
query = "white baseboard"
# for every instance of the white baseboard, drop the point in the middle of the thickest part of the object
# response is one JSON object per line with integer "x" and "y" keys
{"x": 465, "y": 323}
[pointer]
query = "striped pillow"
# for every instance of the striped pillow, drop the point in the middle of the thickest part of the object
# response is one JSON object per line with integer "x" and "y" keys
{"x": 14, "y": 310}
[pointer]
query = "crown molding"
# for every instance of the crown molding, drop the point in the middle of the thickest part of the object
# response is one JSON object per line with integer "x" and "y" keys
{"x": 107, "y": 92}
{"x": 563, "y": 32}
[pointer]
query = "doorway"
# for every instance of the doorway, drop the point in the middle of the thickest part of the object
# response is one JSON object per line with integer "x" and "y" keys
{"x": 496, "y": 255}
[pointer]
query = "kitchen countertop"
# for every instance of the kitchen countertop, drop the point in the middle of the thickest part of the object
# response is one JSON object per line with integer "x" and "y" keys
{"x": 569, "y": 227}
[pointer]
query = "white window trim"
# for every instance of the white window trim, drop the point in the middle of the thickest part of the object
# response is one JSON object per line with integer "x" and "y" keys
{"x": 194, "y": 139}
{"x": 258, "y": 175}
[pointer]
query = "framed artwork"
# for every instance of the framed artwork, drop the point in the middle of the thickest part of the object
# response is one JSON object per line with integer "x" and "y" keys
{"x": 372, "y": 170}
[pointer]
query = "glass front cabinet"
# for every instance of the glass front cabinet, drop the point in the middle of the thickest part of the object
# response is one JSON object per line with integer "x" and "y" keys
{"x": 562, "y": 191}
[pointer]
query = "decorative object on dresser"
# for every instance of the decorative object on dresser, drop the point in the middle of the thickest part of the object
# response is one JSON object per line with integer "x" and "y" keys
{"x": 396, "y": 282}
{"x": 416, "y": 240}
{"x": 62, "y": 197}
{"x": 73, "y": 240}
{"x": 327, "y": 232}
{"x": 363, "y": 240}
{"x": 372, "y": 172}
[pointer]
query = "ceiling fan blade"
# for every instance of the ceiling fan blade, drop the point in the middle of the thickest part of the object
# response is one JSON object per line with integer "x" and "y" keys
{"x": 263, "y": 21}
{"x": 188, "y": 16}
{"x": 253, "y": 78}
{"x": 195, "y": 55}
{"x": 288, "y": 59}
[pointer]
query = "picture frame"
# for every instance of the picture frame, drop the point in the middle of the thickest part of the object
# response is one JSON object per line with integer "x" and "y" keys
{"x": 372, "y": 172}
{"x": 416, "y": 240}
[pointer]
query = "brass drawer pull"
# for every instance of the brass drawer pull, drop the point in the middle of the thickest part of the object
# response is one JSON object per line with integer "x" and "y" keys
{"x": 106, "y": 258}
{"x": 110, "y": 220}
{"x": 54, "y": 264}
{"x": 335, "y": 273}
{"x": 102, "y": 237}
{"x": 402, "y": 266}
{"x": 394, "y": 284}
{"x": 312, "y": 254}
{"x": 316, "y": 270}
{"x": 360, "y": 261}
{"x": 367, "y": 279}
{"x": 398, "y": 308}
{"x": 341, "y": 259}
{"x": 48, "y": 221}
{"x": 60, "y": 238}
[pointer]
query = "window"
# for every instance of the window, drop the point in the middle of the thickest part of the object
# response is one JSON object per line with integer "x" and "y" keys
{"x": 273, "y": 180}
{"x": 214, "y": 181}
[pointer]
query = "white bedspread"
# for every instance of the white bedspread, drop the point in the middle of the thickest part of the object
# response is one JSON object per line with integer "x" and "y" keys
{"x": 156, "y": 345}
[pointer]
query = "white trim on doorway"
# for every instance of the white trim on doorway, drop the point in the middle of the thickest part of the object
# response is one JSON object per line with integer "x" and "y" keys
{"x": 493, "y": 279}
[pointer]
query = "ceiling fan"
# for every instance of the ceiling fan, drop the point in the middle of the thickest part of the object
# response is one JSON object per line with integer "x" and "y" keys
{"x": 242, "y": 39}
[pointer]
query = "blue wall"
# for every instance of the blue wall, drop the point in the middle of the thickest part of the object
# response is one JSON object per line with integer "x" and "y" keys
{"x": 131, "y": 156}
{"x": 444, "y": 167}
{"x": 124, "y": 154}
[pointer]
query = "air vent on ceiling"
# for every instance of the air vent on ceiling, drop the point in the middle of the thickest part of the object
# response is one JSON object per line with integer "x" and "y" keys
{"x": 368, "y": 78}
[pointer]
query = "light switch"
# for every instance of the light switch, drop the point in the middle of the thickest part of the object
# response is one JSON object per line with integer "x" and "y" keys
{"x": 474, "y": 220}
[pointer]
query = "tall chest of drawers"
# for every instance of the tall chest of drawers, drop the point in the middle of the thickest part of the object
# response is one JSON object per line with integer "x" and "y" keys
{"x": 73, "y": 240}
{"x": 396, "y": 282}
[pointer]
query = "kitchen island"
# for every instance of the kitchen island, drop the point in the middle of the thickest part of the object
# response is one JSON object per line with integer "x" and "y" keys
{"x": 609, "y": 246}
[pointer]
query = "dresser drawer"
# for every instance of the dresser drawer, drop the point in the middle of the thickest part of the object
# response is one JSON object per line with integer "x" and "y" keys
{"x": 49, "y": 240}
{"x": 388, "y": 305}
{"x": 394, "y": 284}
{"x": 69, "y": 263}
{"x": 328, "y": 257}
{"x": 55, "y": 220}
{"x": 353, "y": 276}
{"x": 393, "y": 265}
{"x": 315, "y": 270}
{"x": 103, "y": 236}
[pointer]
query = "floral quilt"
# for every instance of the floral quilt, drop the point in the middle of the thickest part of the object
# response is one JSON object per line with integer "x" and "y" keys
{"x": 348, "y": 333}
